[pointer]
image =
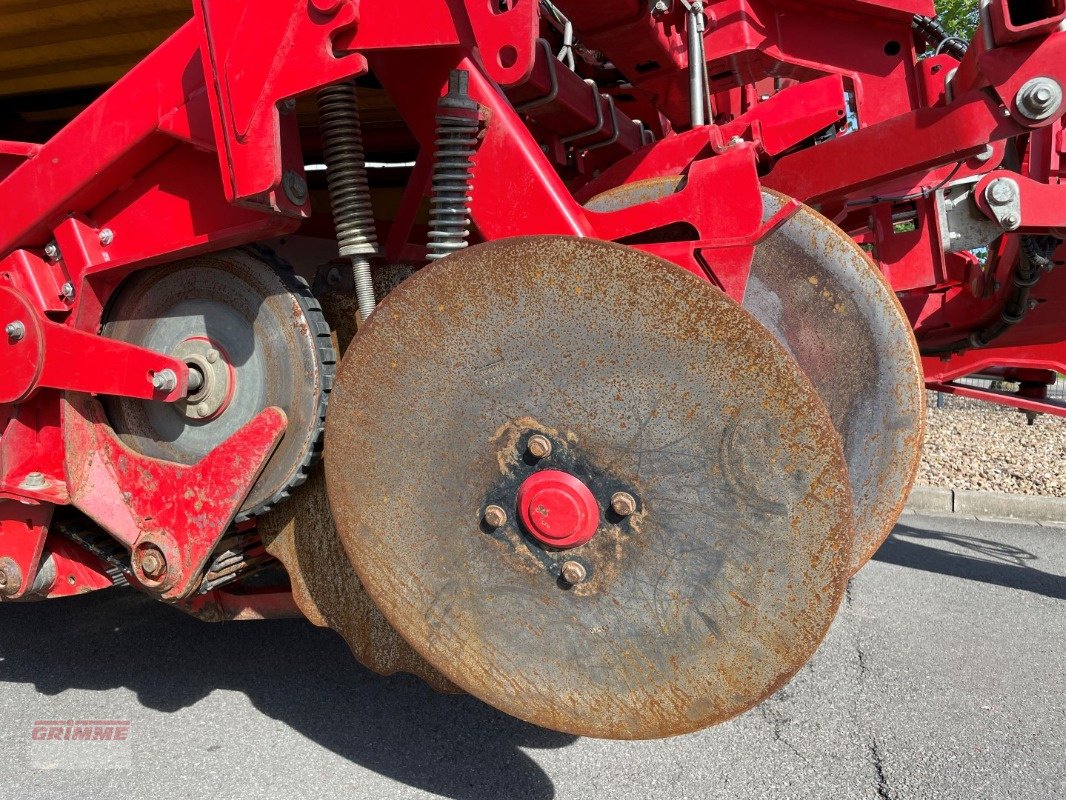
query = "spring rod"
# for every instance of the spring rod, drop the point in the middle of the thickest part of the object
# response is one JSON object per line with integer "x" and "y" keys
{"x": 349, "y": 188}
{"x": 456, "y": 142}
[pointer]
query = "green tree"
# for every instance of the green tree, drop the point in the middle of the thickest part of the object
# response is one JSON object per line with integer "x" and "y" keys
{"x": 959, "y": 16}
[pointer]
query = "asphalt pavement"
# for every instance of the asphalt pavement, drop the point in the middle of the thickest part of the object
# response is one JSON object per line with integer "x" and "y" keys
{"x": 943, "y": 677}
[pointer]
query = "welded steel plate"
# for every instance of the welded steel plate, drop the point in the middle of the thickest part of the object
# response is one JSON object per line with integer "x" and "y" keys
{"x": 825, "y": 301}
{"x": 644, "y": 379}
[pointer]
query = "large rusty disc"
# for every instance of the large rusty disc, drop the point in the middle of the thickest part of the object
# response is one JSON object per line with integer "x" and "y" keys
{"x": 825, "y": 301}
{"x": 643, "y": 381}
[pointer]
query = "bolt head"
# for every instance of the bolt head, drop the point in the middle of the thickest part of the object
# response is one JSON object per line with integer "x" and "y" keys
{"x": 212, "y": 356}
{"x": 573, "y": 572}
{"x": 1039, "y": 98}
{"x": 66, "y": 291}
{"x": 107, "y": 236}
{"x": 623, "y": 504}
{"x": 495, "y": 516}
{"x": 51, "y": 250}
{"x": 164, "y": 381}
{"x": 539, "y": 446}
{"x": 153, "y": 563}
{"x": 295, "y": 187}
{"x": 33, "y": 480}
{"x": 1012, "y": 221}
{"x": 1001, "y": 191}
{"x": 15, "y": 330}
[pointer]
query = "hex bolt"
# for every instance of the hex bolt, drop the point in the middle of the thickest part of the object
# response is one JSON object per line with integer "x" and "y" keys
{"x": 153, "y": 562}
{"x": 15, "y": 330}
{"x": 107, "y": 236}
{"x": 539, "y": 446}
{"x": 164, "y": 380}
{"x": 295, "y": 187}
{"x": 623, "y": 504}
{"x": 66, "y": 291}
{"x": 52, "y": 251}
{"x": 573, "y": 572}
{"x": 33, "y": 480}
{"x": 660, "y": 7}
{"x": 212, "y": 356}
{"x": 1039, "y": 99}
{"x": 495, "y": 516}
{"x": 1001, "y": 192}
{"x": 1012, "y": 221}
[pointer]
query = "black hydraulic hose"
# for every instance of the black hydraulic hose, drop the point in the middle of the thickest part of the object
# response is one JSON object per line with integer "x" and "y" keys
{"x": 1034, "y": 261}
{"x": 936, "y": 36}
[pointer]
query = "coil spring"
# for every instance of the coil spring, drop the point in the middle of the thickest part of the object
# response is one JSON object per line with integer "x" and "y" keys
{"x": 449, "y": 215}
{"x": 349, "y": 188}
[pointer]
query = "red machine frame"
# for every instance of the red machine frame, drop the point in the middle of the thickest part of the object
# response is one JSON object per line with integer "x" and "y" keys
{"x": 198, "y": 149}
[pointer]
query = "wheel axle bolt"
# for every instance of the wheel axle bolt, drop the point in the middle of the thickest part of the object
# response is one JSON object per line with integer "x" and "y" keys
{"x": 495, "y": 517}
{"x": 15, "y": 330}
{"x": 539, "y": 446}
{"x": 1040, "y": 98}
{"x": 623, "y": 504}
{"x": 573, "y": 572}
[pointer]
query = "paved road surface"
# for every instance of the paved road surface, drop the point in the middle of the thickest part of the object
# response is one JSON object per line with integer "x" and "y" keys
{"x": 942, "y": 678}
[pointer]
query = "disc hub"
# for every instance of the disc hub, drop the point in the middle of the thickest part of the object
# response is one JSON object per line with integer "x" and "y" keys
{"x": 557, "y": 509}
{"x": 211, "y": 378}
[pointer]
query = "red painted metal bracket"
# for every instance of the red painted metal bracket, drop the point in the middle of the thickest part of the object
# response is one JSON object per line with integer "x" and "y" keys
{"x": 38, "y": 353}
{"x": 171, "y": 516}
{"x": 23, "y": 530}
{"x": 293, "y": 53}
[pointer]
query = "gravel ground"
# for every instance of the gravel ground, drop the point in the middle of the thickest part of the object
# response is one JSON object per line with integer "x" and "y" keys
{"x": 981, "y": 446}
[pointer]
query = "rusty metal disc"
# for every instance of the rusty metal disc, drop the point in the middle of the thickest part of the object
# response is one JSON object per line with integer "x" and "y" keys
{"x": 833, "y": 310}
{"x": 711, "y": 587}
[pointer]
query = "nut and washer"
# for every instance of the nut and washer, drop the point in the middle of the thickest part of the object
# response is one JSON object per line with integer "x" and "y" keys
{"x": 164, "y": 381}
{"x": 33, "y": 480}
{"x": 495, "y": 516}
{"x": 15, "y": 330}
{"x": 623, "y": 504}
{"x": 539, "y": 446}
{"x": 573, "y": 572}
{"x": 1039, "y": 99}
{"x": 153, "y": 563}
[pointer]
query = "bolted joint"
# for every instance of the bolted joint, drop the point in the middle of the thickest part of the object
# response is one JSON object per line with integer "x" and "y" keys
{"x": 295, "y": 187}
{"x": 539, "y": 446}
{"x": 51, "y": 251}
{"x": 573, "y": 572}
{"x": 164, "y": 381}
{"x": 1001, "y": 191}
{"x": 495, "y": 516}
{"x": 15, "y": 330}
{"x": 623, "y": 504}
{"x": 1039, "y": 99}
{"x": 107, "y": 236}
{"x": 10, "y": 577}
{"x": 153, "y": 563}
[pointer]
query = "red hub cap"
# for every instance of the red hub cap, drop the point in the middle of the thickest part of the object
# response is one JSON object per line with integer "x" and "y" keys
{"x": 558, "y": 509}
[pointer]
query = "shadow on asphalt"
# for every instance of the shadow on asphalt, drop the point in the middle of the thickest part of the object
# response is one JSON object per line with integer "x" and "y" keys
{"x": 972, "y": 558}
{"x": 303, "y": 676}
